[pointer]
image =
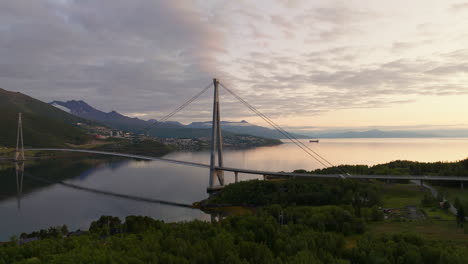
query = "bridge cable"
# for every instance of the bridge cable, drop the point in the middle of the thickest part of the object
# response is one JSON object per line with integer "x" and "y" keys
{"x": 277, "y": 127}
{"x": 178, "y": 109}
{"x": 287, "y": 134}
{"x": 282, "y": 131}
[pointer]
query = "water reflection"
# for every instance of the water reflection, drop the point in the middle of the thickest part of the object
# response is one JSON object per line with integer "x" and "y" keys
{"x": 108, "y": 193}
{"x": 19, "y": 166}
{"x": 54, "y": 202}
{"x": 288, "y": 157}
{"x": 54, "y": 193}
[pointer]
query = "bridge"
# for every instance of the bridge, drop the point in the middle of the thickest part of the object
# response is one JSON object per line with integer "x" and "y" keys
{"x": 216, "y": 166}
{"x": 260, "y": 172}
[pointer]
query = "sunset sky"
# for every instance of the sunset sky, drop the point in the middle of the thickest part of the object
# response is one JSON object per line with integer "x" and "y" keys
{"x": 306, "y": 64}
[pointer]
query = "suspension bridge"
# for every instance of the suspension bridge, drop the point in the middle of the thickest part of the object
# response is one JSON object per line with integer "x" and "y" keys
{"x": 216, "y": 166}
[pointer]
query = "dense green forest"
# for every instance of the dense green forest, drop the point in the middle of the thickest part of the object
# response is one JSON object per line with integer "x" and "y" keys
{"x": 298, "y": 192}
{"x": 403, "y": 167}
{"x": 305, "y": 235}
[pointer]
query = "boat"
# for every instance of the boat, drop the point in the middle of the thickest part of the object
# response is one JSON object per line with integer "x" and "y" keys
{"x": 314, "y": 141}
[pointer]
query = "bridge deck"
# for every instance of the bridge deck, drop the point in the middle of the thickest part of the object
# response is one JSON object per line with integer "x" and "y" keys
{"x": 187, "y": 163}
{"x": 345, "y": 176}
{"x": 258, "y": 172}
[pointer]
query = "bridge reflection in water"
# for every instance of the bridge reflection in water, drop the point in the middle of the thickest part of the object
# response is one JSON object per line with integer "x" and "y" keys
{"x": 21, "y": 174}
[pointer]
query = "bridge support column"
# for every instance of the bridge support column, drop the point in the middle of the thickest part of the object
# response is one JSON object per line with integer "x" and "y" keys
{"x": 236, "y": 177}
{"x": 421, "y": 182}
{"x": 19, "y": 152}
{"x": 264, "y": 177}
{"x": 216, "y": 143}
{"x": 461, "y": 185}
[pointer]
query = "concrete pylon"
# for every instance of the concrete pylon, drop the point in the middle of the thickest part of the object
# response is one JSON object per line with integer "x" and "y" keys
{"x": 216, "y": 144}
{"x": 19, "y": 153}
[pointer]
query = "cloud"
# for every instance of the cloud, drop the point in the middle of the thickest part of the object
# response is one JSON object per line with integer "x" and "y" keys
{"x": 280, "y": 21}
{"x": 459, "y": 7}
{"x": 287, "y": 57}
{"x": 110, "y": 53}
{"x": 329, "y": 23}
{"x": 291, "y": 3}
{"x": 368, "y": 86}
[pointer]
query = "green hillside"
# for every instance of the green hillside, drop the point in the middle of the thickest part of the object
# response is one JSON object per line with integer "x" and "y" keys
{"x": 43, "y": 124}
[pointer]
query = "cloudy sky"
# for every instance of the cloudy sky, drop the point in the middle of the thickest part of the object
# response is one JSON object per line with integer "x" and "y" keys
{"x": 306, "y": 64}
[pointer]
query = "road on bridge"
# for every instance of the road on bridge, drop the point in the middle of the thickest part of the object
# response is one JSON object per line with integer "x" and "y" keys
{"x": 267, "y": 173}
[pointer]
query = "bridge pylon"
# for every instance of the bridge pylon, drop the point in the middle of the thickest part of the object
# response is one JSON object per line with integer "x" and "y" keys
{"x": 19, "y": 153}
{"x": 216, "y": 144}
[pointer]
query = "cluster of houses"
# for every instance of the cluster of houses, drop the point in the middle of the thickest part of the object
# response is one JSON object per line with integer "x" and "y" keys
{"x": 101, "y": 133}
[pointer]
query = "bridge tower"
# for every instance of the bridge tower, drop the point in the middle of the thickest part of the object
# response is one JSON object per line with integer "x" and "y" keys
{"x": 19, "y": 153}
{"x": 216, "y": 144}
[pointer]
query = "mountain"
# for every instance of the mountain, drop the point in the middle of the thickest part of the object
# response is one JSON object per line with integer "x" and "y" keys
{"x": 112, "y": 119}
{"x": 43, "y": 124}
{"x": 243, "y": 127}
{"x": 167, "y": 129}
{"x": 375, "y": 133}
{"x": 118, "y": 121}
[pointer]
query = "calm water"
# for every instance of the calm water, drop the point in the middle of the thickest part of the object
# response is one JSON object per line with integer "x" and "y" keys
{"x": 43, "y": 205}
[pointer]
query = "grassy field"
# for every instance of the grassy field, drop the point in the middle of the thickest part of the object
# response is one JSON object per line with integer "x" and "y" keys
{"x": 438, "y": 213}
{"x": 431, "y": 229}
{"x": 401, "y": 195}
{"x": 452, "y": 193}
{"x": 439, "y": 224}
{"x": 397, "y": 195}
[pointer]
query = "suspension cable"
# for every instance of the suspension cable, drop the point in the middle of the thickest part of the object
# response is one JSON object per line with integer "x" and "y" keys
{"x": 282, "y": 131}
{"x": 178, "y": 109}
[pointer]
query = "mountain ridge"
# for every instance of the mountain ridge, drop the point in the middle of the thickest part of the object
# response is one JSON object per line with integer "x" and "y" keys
{"x": 166, "y": 129}
{"x": 244, "y": 127}
{"x": 43, "y": 124}
{"x": 374, "y": 133}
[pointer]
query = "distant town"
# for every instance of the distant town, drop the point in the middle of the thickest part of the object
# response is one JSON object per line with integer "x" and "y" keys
{"x": 102, "y": 133}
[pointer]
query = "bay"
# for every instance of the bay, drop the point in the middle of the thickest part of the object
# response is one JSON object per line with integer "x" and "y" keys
{"x": 41, "y": 205}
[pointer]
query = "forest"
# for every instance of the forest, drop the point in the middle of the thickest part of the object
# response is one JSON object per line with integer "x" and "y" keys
{"x": 323, "y": 221}
{"x": 259, "y": 238}
{"x": 402, "y": 167}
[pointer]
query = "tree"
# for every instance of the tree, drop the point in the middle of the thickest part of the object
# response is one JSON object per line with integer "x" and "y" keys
{"x": 106, "y": 225}
{"x": 428, "y": 200}
{"x": 457, "y": 203}
{"x": 64, "y": 230}
{"x": 377, "y": 214}
{"x": 14, "y": 240}
{"x": 465, "y": 163}
{"x": 460, "y": 215}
